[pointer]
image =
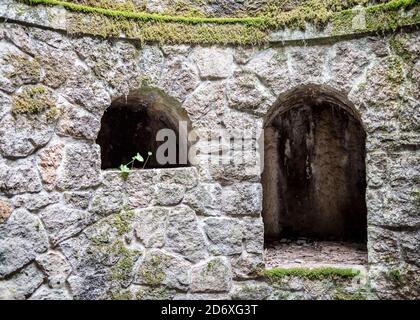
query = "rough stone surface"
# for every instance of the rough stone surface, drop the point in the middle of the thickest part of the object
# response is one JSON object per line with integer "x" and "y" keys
{"x": 184, "y": 235}
{"x": 213, "y": 275}
{"x": 195, "y": 231}
{"x": 22, "y": 237}
{"x": 21, "y": 285}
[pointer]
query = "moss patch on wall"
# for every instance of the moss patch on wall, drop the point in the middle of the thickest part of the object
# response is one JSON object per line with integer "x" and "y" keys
{"x": 163, "y": 28}
{"x": 276, "y": 274}
{"x": 34, "y": 100}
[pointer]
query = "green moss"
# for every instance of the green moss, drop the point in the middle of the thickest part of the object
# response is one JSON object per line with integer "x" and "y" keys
{"x": 342, "y": 294}
{"x": 112, "y": 20}
{"x": 395, "y": 275}
{"x": 121, "y": 295}
{"x": 23, "y": 68}
{"x": 122, "y": 270}
{"x": 395, "y": 73}
{"x": 34, "y": 100}
{"x": 277, "y": 274}
{"x": 152, "y": 272}
{"x": 122, "y": 221}
{"x": 153, "y": 294}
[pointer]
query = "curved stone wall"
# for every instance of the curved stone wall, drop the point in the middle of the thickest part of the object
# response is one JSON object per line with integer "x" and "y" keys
{"x": 70, "y": 230}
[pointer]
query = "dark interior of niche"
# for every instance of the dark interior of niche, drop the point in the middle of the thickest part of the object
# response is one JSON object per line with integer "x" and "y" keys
{"x": 126, "y": 130}
{"x": 314, "y": 177}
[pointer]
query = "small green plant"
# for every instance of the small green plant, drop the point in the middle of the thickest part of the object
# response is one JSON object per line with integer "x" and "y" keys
{"x": 125, "y": 168}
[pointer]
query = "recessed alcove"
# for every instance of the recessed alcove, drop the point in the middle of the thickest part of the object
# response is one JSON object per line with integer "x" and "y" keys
{"x": 314, "y": 178}
{"x": 131, "y": 125}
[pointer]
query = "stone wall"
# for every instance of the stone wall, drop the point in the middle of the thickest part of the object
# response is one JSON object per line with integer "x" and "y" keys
{"x": 69, "y": 230}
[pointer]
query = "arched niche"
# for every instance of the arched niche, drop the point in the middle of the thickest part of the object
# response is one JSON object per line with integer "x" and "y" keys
{"x": 130, "y": 126}
{"x": 314, "y": 179}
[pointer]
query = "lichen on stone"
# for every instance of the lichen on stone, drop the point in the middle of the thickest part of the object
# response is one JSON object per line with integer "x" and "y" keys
{"x": 35, "y": 100}
{"x": 25, "y": 70}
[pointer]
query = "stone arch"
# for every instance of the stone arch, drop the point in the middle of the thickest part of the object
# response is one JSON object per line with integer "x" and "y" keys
{"x": 314, "y": 178}
{"x": 131, "y": 122}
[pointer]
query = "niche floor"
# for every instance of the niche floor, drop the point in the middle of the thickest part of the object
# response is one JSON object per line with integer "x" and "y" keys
{"x": 306, "y": 252}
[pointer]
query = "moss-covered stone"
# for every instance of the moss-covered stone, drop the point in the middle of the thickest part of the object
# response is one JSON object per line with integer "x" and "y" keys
{"x": 35, "y": 100}
{"x": 276, "y": 274}
{"x": 25, "y": 70}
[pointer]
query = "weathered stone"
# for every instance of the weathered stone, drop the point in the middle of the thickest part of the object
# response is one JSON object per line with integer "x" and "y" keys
{"x": 140, "y": 188}
{"x": 78, "y": 123}
{"x": 150, "y": 64}
{"x": 383, "y": 247}
{"x": 21, "y": 285}
{"x": 153, "y": 293}
{"x": 225, "y": 235}
{"x": 81, "y": 167}
{"x": 213, "y": 62}
{"x": 49, "y": 161}
{"x": 21, "y": 136}
{"x": 213, "y": 275}
{"x": 307, "y": 64}
{"x": 19, "y": 176}
{"x": 83, "y": 89}
{"x": 5, "y": 210}
{"x": 206, "y": 104}
{"x": 253, "y": 235}
{"x": 271, "y": 66}
{"x": 77, "y": 199}
{"x": 246, "y": 93}
{"x": 33, "y": 203}
{"x": 62, "y": 222}
{"x": 55, "y": 267}
{"x": 184, "y": 235}
{"x": 349, "y": 61}
{"x": 168, "y": 194}
{"x": 22, "y": 237}
{"x": 205, "y": 199}
{"x": 109, "y": 198}
{"x": 181, "y": 78}
{"x": 247, "y": 266}
{"x": 183, "y": 176}
{"x": 201, "y": 296}
{"x": 250, "y": 290}
{"x": 242, "y": 199}
{"x": 150, "y": 226}
{"x": 242, "y": 55}
{"x": 161, "y": 268}
{"x": 45, "y": 293}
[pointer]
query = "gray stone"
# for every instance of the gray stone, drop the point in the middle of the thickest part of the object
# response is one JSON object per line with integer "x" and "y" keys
{"x": 45, "y": 293}
{"x": 308, "y": 64}
{"x": 55, "y": 267}
{"x": 19, "y": 176}
{"x": 253, "y": 235}
{"x": 81, "y": 167}
{"x": 181, "y": 78}
{"x": 77, "y": 199}
{"x": 242, "y": 199}
{"x": 20, "y": 136}
{"x": 271, "y": 66}
{"x": 140, "y": 188}
{"x": 184, "y": 235}
{"x": 213, "y": 275}
{"x": 62, "y": 222}
{"x": 21, "y": 285}
{"x": 168, "y": 194}
{"x": 150, "y": 226}
{"x": 22, "y": 237}
{"x": 225, "y": 235}
{"x": 109, "y": 198}
{"x": 78, "y": 123}
{"x": 183, "y": 176}
{"x": 151, "y": 63}
{"x": 161, "y": 268}
{"x": 206, "y": 104}
{"x": 205, "y": 199}
{"x": 246, "y": 93}
{"x": 83, "y": 89}
{"x": 213, "y": 62}
{"x": 33, "y": 203}
{"x": 247, "y": 266}
{"x": 250, "y": 290}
